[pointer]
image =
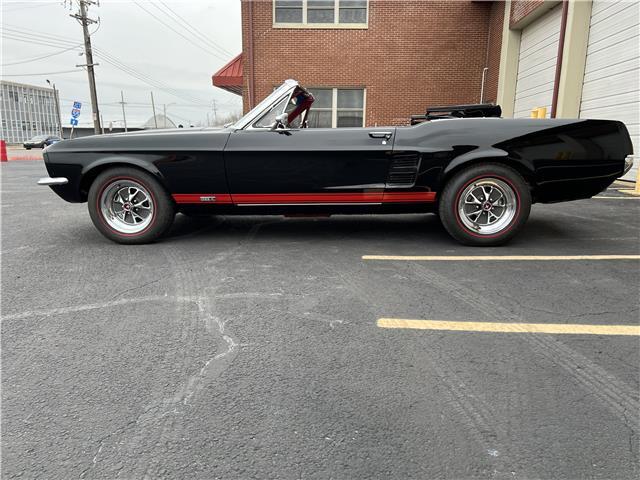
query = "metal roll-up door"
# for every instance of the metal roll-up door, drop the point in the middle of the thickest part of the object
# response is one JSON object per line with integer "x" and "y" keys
{"x": 537, "y": 63}
{"x": 611, "y": 87}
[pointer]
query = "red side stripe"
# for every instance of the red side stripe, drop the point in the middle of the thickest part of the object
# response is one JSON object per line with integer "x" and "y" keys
{"x": 221, "y": 198}
{"x": 270, "y": 198}
{"x": 306, "y": 198}
{"x": 409, "y": 197}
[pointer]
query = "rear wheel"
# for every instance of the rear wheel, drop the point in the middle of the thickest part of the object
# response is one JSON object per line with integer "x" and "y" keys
{"x": 129, "y": 206}
{"x": 485, "y": 205}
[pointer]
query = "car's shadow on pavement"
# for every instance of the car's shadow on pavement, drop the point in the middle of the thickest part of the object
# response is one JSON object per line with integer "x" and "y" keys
{"x": 425, "y": 229}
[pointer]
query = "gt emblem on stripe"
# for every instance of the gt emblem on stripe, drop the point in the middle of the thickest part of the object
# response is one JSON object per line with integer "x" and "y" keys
{"x": 208, "y": 199}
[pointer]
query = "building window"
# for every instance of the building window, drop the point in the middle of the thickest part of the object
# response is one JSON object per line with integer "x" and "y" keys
{"x": 337, "y": 107}
{"x": 320, "y": 13}
{"x": 353, "y": 11}
{"x": 288, "y": 11}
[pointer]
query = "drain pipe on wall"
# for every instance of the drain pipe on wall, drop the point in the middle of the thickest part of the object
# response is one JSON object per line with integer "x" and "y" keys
{"x": 484, "y": 77}
{"x": 252, "y": 82}
{"x": 556, "y": 82}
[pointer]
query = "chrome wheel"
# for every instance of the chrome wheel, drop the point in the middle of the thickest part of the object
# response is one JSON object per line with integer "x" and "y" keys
{"x": 126, "y": 206}
{"x": 487, "y": 206}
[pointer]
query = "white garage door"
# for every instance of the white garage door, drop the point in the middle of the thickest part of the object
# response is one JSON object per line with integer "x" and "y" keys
{"x": 611, "y": 88}
{"x": 537, "y": 63}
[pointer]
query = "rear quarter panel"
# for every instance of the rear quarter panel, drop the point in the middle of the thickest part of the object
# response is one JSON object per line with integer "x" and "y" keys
{"x": 561, "y": 159}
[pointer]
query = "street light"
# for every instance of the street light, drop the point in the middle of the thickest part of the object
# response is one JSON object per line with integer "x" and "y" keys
{"x": 55, "y": 97}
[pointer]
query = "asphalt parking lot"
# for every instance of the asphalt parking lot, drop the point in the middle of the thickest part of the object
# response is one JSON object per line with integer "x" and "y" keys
{"x": 254, "y": 347}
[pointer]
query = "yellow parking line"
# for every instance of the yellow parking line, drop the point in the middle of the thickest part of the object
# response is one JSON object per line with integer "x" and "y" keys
{"x": 629, "y": 191}
{"x": 617, "y": 198}
{"x": 555, "y": 328}
{"x": 497, "y": 258}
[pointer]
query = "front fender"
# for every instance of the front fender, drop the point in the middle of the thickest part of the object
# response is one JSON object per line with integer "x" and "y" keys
{"x": 124, "y": 161}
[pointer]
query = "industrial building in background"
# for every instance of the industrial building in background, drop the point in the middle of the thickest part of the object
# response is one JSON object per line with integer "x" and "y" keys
{"x": 27, "y": 111}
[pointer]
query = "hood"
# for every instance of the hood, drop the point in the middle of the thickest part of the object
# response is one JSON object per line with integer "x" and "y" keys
{"x": 174, "y": 139}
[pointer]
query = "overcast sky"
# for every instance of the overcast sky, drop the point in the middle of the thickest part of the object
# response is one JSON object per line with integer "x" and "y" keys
{"x": 130, "y": 35}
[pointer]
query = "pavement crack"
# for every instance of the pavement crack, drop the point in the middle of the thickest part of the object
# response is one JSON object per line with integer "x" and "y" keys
{"x": 119, "y": 431}
{"x": 133, "y": 289}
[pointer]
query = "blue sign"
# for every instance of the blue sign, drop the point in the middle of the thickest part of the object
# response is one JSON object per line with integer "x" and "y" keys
{"x": 75, "y": 113}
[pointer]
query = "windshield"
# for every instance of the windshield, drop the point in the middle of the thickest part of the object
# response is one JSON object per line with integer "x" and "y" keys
{"x": 269, "y": 118}
{"x": 264, "y": 104}
{"x": 290, "y": 97}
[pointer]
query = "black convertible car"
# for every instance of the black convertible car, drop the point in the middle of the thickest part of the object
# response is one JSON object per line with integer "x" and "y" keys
{"x": 480, "y": 175}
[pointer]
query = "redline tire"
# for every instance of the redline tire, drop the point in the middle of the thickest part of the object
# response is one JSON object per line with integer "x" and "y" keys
{"x": 158, "y": 205}
{"x": 479, "y": 219}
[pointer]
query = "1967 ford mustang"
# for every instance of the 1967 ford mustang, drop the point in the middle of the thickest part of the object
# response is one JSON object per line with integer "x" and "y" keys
{"x": 480, "y": 175}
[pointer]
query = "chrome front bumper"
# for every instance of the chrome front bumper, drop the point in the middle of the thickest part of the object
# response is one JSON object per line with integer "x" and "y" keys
{"x": 628, "y": 163}
{"x": 49, "y": 181}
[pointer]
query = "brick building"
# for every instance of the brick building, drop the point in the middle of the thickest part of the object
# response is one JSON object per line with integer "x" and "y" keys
{"x": 369, "y": 62}
{"x": 375, "y": 62}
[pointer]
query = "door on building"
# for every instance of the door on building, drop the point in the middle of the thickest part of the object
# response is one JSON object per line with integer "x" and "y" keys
{"x": 611, "y": 86}
{"x": 537, "y": 63}
{"x": 308, "y": 165}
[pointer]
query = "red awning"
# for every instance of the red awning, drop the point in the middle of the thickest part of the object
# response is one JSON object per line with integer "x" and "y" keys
{"x": 229, "y": 77}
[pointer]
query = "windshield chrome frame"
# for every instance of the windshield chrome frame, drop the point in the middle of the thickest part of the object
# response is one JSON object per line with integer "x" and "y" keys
{"x": 284, "y": 90}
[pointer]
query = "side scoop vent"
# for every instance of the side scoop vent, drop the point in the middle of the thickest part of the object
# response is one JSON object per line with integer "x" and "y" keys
{"x": 404, "y": 170}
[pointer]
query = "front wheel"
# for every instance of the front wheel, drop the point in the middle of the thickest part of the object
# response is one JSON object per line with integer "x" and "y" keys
{"x": 130, "y": 206}
{"x": 485, "y": 205}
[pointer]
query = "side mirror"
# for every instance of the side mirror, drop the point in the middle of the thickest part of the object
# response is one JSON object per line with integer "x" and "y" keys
{"x": 281, "y": 121}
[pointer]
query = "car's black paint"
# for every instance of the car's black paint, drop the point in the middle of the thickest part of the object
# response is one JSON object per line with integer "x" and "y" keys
{"x": 560, "y": 159}
{"x": 306, "y": 161}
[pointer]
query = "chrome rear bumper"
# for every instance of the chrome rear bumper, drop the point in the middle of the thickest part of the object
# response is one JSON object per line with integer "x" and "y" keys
{"x": 628, "y": 163}
{"x": 48, "y": 181}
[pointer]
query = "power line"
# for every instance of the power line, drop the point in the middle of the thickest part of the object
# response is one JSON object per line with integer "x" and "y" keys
{"x": 204, "y": 49}
{"x": 40, "y": 58}
{"x": 194, "y": 31}
{"x": 42, "y": 73}
{"x": 39, "y": 38}
{"x": 47, "y": 39}
{"x": 8, "y": 10}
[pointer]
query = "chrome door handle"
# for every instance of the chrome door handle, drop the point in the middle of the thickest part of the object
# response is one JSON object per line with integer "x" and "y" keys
{"x": 385, "y": 135}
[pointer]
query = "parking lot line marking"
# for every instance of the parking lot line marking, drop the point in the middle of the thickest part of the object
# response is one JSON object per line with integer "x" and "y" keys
{"x": 498, "y": 258}
{"x": 498, "y": 327}
{"x": 617, "y": 198}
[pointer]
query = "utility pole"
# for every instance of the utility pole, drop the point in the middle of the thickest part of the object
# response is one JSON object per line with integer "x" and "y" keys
{"x": 81, "y": 16}
{"x": 124, "y": 117}
{"x": 57, "y": 100}
{"x": 153, "y": 107}
{"x": 215, "y": 113}
{"x": 164, "y": 109}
